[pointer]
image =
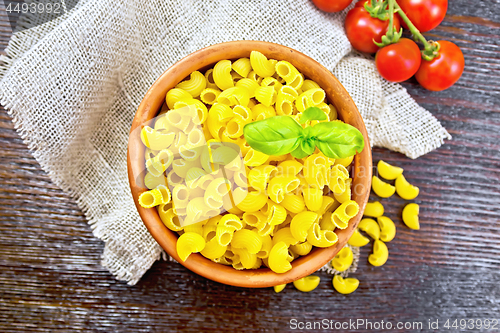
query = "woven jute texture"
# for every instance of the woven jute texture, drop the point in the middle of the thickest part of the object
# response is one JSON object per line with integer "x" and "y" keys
{"x": 73, "y": 84}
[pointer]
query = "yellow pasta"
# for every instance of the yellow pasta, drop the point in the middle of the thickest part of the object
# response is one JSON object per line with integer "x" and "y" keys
{"x": 234, "y": 96}
{"x": 302, "y": 249}
{"x": 343, "y": 260}
{"x": 233, "y": 204}
{"x": 387, "y": 229}
{"x": 242, "y": 66}
{"x": 301, "y": 223}
{"x": 249, "y": 85}
{"x": 261, "y": 65}
{"x": 381, "y": 188}
{"x": 277, "y": 215}
{"x": 311, "y": 97}
{"x": 254, "y": 158}
{"x": 279, "y": 288}
{"x": 278, "y": 259}
{"x": 357, "y": 239}
{"x": 271, "y": 82}
{"x": 307, "y": 284}
{"x": 285, "y": 235}
{"x": 188, "y": 243}
{"x": 309, "y": 84}
{"x": 345, "y": 286}
{"x": 266, "y": 95}
{"x": 175, "y": 95}
{"x": 156, "y": 140}
{"x": 388, "y": 171}
{"x": 380, "y": 254}
{"x": 374, "y": 209}
{"x": 287, "y": 71}
{"x": 370, "y": 227}
{"x": 169, "y": 218}
{"x": 247, "y": 239}
{"x": 222, "y": 74}
{"x": 313, "y": 197}
{"x": 410, "y": 216}
{"x": 209, "y": 95}
{"x": 321, "y": 238}
{"x": 195, "y": 85}
{"x": 406, "y": 190}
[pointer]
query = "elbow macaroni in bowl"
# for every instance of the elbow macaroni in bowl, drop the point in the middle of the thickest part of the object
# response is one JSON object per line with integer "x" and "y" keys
{"x": 233, "y": 204}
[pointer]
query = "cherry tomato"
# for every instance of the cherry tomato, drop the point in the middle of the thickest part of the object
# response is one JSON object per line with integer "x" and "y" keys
{"x": 443, "y": 71}
{"x": 424, "y": 14}
{"x": 399, "y": 61}
{"x": 362, "y": 29}
{"x": 332, "y": 6}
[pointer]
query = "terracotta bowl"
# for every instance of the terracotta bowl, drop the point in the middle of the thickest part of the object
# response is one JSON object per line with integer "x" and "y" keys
{"x": 336, "y": 94}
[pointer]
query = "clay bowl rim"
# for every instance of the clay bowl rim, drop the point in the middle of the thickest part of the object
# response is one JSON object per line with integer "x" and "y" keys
{"x": 336, "y": 94}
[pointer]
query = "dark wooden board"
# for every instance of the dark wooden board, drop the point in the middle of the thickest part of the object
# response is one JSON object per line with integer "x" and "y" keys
{"x": 51, "y": 278}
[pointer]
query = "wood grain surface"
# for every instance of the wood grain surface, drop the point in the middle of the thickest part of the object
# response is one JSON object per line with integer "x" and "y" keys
{"x": 51, "y": 279}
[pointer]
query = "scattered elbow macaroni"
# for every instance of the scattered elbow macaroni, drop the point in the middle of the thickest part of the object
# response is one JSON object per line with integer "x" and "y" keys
{"x": 307, "y": 284}
{"x": 228, "y": 202}
{"x": 410, "y": 216}
{"x": 345, "y": 286}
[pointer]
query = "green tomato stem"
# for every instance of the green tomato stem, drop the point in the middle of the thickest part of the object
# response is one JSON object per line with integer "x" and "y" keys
{"x": 390, "y": 32}
{"x": 431, "y": 49}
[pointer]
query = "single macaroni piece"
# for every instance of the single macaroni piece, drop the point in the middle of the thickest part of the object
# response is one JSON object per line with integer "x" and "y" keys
{"x": 346, "y": 195}
{"x": 156, "y": 140}
{"x": 261, "y": 65}
{"x": 266, "y": 95}
{"x": 259, "y": 176}
{"x": 281, "y": 185}
{"x": 344, "y": 213}
{"x": 252, "y": 202}
{"x": 326, "y": 222}
{"x": 267, "y": 245}
{"x": 345, "y": 162}
{"x": 380, "y": 254}
{"x": 309, "y": 84}
{"x": 188, "y": 243}
{"x": 155, "y": 197}
{"x": 313, "y": 197}
{"x": 261, "y": 111}
{"x": 279, "y": 288}
{"x": 195, "y": 85}
{"x": 248, "y": 260}
{"x": 290, "y": 168}
{"x": 357, "y": 239}
{"x": 388, "y": 171}
{"x": 234, "y": 96}
{"x": 285, "y": 235}
{"x": 410, "y": 216}
{"x": 374, "y": 209}
{"x": 151, "y": 182}
{"x": 254, "y": 158}
{"x": 406, "y": 190}
{"x": 345, "y": 286}
{"x": 286, "y": 71}
{"x": 307, "y": 284}
{"x": 247, "y": 239}
{"x": 382, "y": 189}
{"x": 328, "y": 202}
{"x": 276, "y": 215}
{"x": 175, "y": 95}
{"x": 169, "y": 218}
{"x": 279, "y": 259}
{"x": 301, "y": 223}
{"x": 370, "y": 227}
{"x": 242, "y": 66}
{"x": 222, "y": 74}
{"x": 301, "y": 249}
{"x": 311, "y": 97}
{"x": 321, "y": 238}
{"x": 343, "y": 260}
{"x": 249, "y": 85}
{"x": 209, "y": 95}
{"x": 213, "y": 249}
{"x": 294, "y": 203}
{"x": 387, "y": 229}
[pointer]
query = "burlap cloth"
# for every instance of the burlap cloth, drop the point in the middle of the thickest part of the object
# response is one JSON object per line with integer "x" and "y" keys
{"x": 72, "y": 86}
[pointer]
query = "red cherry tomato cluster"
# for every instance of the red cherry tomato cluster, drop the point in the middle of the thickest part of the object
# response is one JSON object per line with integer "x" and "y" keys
{"x": 400, "y": 58}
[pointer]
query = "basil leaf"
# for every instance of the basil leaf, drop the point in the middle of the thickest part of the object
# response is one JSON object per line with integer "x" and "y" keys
{"x": 336, "y": 139}
{"x": 312, "y": 113}
{"x": 278, "y": 135}
{"x": 299, "y": 153}
{"x": 308, "y": 146}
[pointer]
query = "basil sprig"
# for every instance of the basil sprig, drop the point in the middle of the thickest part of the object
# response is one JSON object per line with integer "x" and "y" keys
{"x": 281, "y": 135}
